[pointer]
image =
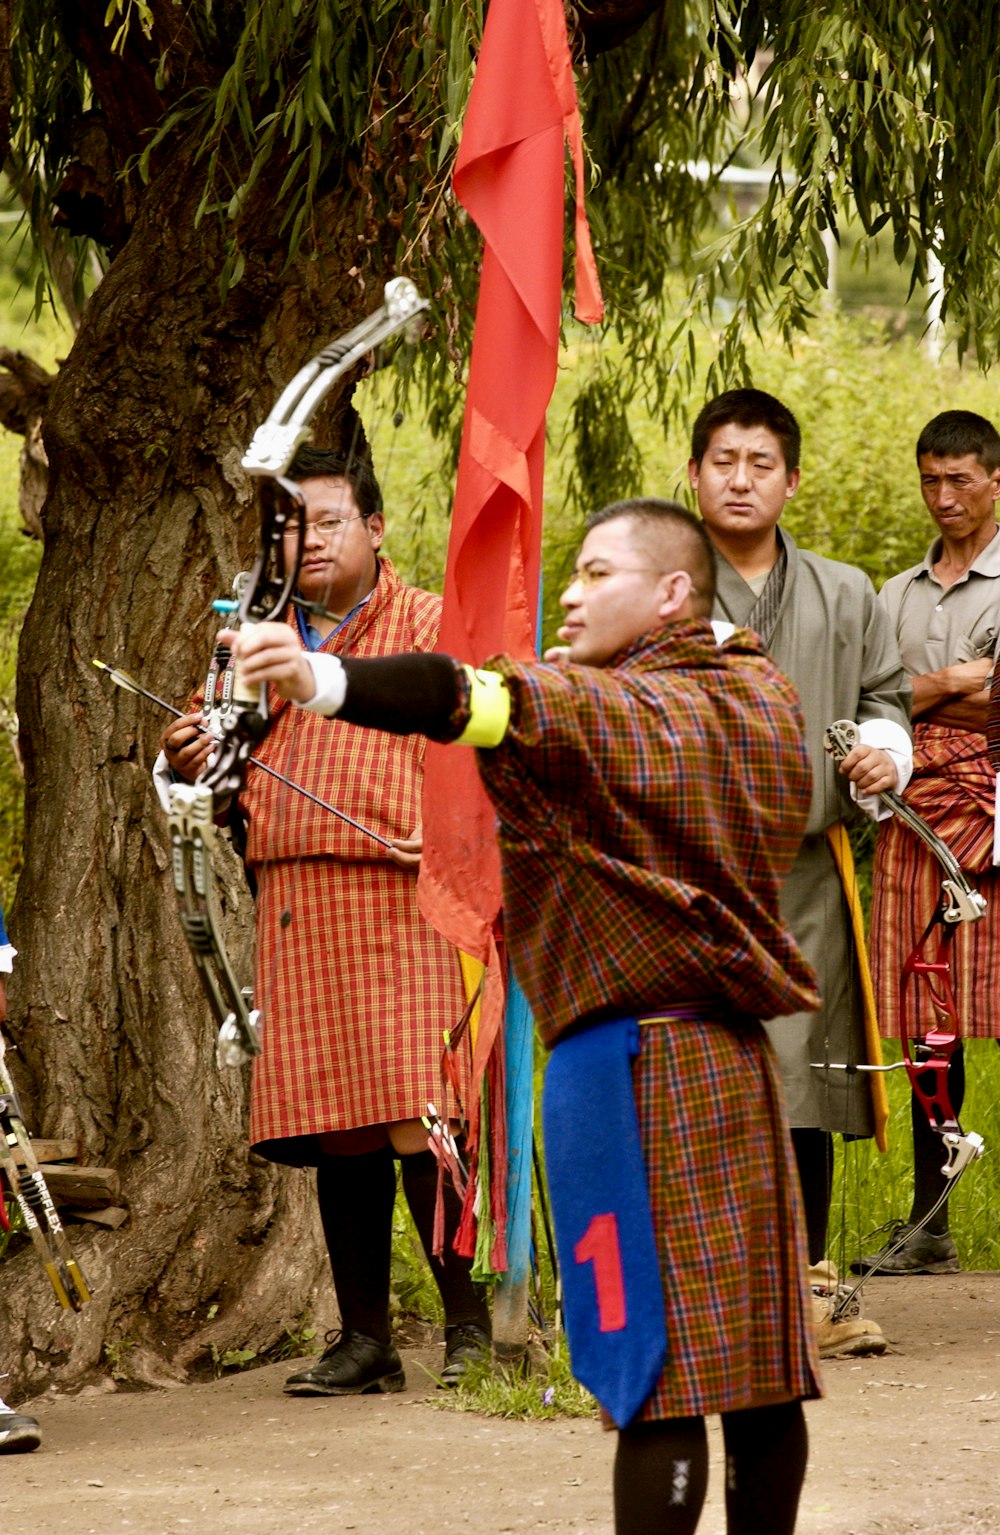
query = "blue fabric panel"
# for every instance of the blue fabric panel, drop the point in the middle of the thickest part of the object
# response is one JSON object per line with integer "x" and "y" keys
{"x": 612, "y": 1291}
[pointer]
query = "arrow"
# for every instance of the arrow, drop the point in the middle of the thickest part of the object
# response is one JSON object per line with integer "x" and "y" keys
{"x": 129, "y": 685}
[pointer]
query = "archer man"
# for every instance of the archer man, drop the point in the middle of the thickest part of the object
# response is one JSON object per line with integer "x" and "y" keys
{"x": 651, "y": 793}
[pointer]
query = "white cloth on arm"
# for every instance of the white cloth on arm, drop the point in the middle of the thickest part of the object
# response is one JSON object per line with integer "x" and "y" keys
{"x": 891, "y": 738}
{"x": 162, "y": 779}
{"x": 330, "y": 681}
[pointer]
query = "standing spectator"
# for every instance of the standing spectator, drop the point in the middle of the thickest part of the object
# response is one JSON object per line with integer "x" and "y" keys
{"x": 821, "y": 622}
{"x": 946, "y": 616}
{"x": 356, "y": 988}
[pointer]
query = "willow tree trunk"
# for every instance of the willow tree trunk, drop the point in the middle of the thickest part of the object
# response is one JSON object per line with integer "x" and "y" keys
{"x": 147, "y": 519}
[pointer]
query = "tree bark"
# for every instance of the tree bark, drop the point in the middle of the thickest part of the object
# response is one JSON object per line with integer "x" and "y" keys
{"x": 148, "y": 517}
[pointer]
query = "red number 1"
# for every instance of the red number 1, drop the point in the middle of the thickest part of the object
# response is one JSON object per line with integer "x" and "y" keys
{"x": 599, "y": 1245}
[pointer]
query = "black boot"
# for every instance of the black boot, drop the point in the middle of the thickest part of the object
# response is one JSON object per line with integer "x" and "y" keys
{"x": 356, "y": 1196}
{"x": 467, "y": 1331}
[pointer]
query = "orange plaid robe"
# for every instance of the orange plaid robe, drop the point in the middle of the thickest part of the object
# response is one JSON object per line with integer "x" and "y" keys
{"x": 355, "y": 987}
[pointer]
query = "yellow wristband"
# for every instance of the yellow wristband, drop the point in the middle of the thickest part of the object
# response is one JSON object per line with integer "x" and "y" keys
{"x": 489, "y": 709}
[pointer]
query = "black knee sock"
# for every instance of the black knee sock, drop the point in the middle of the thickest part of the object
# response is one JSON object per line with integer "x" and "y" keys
{"x": 814, "y": 1159}
{"x": 766, "y": 1453}
{"x": 356, "y": 1196}
{"x": 661, "y": 1473}
{"x": 928, "y": 1151}
{"x": 463, "y": 1301}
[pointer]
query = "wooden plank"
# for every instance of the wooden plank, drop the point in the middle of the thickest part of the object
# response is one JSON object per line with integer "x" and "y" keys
{"x": 111, "y": 1216}
{"x": 52, "y": 1151}
{"x": 73, "y": 1185}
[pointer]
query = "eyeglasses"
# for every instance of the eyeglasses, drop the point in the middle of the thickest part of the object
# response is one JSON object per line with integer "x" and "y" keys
{"x": 326, "y": 527}
{"x": 593, "y": 575}
{"x": 589, "y": 576}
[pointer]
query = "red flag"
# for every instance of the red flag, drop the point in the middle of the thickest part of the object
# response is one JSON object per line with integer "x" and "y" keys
{"x": 510, "y": 176}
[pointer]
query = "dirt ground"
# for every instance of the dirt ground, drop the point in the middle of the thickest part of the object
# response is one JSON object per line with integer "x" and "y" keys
{"x": 902, "y": 1443}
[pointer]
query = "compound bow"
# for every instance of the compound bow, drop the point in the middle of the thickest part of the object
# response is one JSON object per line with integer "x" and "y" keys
{"x": 29, "y": 1188}
{"x": 242, "y": 714}
{"x": 925, "y": 1059}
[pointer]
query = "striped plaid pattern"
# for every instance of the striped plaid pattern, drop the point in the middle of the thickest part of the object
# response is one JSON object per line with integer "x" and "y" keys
{"x": 993, "y": 721}
{"x": 371, "y": 776}
{"x": 648, "y": 815}
{"x": 726, "y": 1211}
{"x": 953, "y": 789}
{"x": 355, "y": 988}
{"x": 357, "y": 992}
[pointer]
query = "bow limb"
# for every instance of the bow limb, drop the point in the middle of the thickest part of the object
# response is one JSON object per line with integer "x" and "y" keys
{"x": 929, "y": 963}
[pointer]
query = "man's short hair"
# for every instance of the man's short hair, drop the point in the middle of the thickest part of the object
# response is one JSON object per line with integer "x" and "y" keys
{"x": 955, "y": 433}
{"x": 312, "y": 463}
{"x": 748, "y": 407}
{"x": 670, "y": 533}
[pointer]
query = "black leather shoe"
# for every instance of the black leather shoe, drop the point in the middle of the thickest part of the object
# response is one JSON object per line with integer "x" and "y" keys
{"x": 465, "y": 1345}
{"x": 18, "y": 1433}
{"x": 351, "y": 1366}
{"x": 922, "y": 1253}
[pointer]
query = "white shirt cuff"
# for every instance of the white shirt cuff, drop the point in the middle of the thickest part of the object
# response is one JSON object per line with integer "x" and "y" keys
{"x": 723, "y": 630}
{"x": 330, "y": 681}
{"x": 162, "y": 779}
{"x": 890, "y": 737}
{"x": 7, "y": 952}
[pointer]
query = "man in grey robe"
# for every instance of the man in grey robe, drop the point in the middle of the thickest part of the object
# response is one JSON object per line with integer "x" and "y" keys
{"x": 823, "y": 625}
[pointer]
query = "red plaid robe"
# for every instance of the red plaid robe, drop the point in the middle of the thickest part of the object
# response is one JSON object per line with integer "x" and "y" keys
{"x": 355, "y": 988}
{"x": 648, "y": 816}
{"x": 953, "y": 788}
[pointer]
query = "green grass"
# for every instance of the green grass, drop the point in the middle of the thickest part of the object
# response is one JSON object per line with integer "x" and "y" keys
{"x": 545, "y": 1388}
{"x": 412, "y": 1282}
{"x": 871, "y": 1188}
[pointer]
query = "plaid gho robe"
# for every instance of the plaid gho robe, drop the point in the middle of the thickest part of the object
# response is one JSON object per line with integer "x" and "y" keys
{"x": 356, "y": 988}
{"x": 648, "y": 815}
